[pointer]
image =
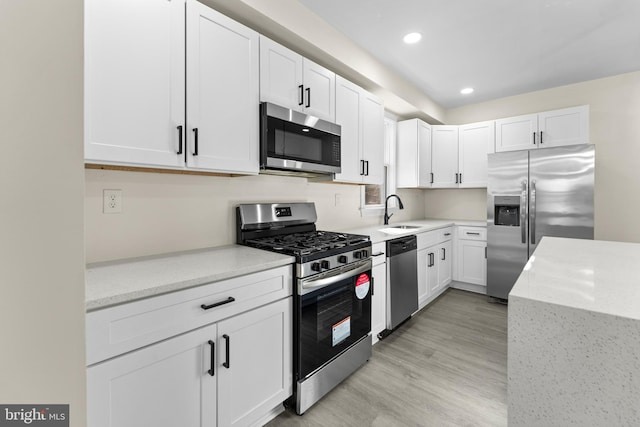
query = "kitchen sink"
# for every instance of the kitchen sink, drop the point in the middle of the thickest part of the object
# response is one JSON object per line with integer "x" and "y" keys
{"x": 398, "y": 229}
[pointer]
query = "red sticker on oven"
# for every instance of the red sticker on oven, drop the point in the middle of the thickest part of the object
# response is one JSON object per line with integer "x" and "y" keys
{"x": 362, "y": 286}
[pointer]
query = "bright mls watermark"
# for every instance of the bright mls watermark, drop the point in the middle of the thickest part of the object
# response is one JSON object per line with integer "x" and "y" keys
{"x": 34, "y": 415}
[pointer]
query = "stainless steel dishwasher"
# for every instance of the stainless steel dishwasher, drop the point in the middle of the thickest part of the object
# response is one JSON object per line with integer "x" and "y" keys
{"x": 402, "y": 281}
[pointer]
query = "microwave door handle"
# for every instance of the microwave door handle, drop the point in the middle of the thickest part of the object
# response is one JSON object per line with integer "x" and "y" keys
{"x": 532, "y": 216}
{"x": 523, "y": 211}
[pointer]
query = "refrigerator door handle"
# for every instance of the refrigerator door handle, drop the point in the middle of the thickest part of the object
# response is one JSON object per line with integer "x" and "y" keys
{"x": 523, "y": 211}
{"x": 532, "y": 217}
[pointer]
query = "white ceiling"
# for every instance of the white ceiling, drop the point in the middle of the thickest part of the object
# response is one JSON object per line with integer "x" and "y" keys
{"x": 499, "y": 47}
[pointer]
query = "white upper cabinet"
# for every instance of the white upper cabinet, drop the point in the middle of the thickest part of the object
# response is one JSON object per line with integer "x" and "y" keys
{"x": 134, "y": 82}
{"x": 475, "y": 141}
{"x": 361, "y": 118}
{"x": 444, "y": 161}
{"x": 414, "y": 154}
{"x": 135, "y": 79}
{"x": 567, "y": 126}
{"x": 292, "y": 81}
{"x": 222, "y": 92}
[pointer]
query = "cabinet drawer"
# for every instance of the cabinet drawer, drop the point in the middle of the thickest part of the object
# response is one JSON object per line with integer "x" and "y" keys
{"x": 445, "y": 234}
{"x": 378, "y": 253}
{"x": 116, "y": 330}
{"x": 472, "y": 233}
{"x": 431, "y": 238}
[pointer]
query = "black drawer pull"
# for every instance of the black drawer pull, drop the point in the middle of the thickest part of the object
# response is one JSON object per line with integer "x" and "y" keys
{"x": 447, "y": 234}
{"x": 378, "y": 254}
{"x": 195, "y": 138}
{"x": 213, "y": 358}
{"x": 217, "y": 304}
{"x": 473, "y": 234}
{"x": 228, "y": 340}
{"x": 179, "y": 140}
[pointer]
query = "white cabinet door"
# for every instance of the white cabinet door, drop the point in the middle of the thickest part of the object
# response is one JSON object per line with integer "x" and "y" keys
{"x": 444, "y": 140}
{"x": 223, "y": 95}
{"x": 517, "y": 133}
{"x": 254, "y": 363}
{"x": 432, "y": 270}
{"x": 472, "y": 262}
{"x": 423, "y": 286}
{"x": 379, "y": 299}
{"x": 372, "y": 139}
{"x": 163, "y": 385}
{"x": 413, "y": 159}
{"x": 444, "y": 257}
{"x": 564, "y": 127}
{"x": 361, "y": 118}
{"x": 134, "y": 82}
{"x": 319, "y": 91}
{"x": 280, "y": 75}
{"x": 476, "y": 140}
{"x": 348, "y": 116}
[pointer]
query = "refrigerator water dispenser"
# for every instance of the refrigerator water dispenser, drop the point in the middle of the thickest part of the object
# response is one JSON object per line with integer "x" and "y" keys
{"x": 507, "y": 211}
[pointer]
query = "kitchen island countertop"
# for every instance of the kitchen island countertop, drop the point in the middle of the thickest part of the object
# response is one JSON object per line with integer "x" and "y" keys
{"x": 117, "y": 282}
{"x": 574, "y": 335}
{"x": 424, "y": 225}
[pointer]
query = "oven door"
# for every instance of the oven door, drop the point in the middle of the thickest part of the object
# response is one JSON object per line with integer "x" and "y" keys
{"x": 294, "y": 141}
{"x": 334, "y": 312}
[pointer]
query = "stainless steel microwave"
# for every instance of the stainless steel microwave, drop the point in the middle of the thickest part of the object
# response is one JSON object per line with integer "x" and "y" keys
{"x": 293, "y": 141}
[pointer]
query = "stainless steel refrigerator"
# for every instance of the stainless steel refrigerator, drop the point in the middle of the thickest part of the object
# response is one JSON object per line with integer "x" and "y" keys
{"x": 531, "y": 194}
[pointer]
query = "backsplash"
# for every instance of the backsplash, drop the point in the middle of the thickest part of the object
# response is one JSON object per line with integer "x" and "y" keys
{"x": 168, "y": 212}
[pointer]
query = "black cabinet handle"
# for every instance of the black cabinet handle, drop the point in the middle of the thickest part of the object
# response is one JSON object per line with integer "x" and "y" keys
{"x": 534, "y": 138}
{"x": 444, "y": 254}
{"x": 472, "y": 234}
{"x": 372, "y": 287}
{"x": 301, "y": 97}
{"x": 217, "y": 304}
{"x": 541, "y": 141}
{"x": 367, "y": 163}
{"x": 460, "y": 179}
{"x": 431, "y": 177}
{"x": 228, "y": 342}
{"x": 485, "y": 252}
{"x": 195, "y": 136}
{"x": 447, "y": 234}
{"x": 361, "y": 167}
{"x": 179, "y": 140}
{"x": 213, "y": 358}
{"x": 456, "y": 178}
{"x": 308, "y": 90}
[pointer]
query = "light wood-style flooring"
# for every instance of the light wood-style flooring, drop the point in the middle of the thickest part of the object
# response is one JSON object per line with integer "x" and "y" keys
{"x": 447, "y": 366}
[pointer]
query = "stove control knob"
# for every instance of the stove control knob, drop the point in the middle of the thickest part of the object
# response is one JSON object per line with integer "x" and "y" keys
{"x": 357, "y": 254}
{"x": 365, "y": 253}
{"x": 343, "y": 259}
{"x": 315, "y": 266}
{"x": 325, "y": 264}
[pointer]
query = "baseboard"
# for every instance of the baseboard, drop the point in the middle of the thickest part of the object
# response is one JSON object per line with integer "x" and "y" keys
{"x": 479, "y": 289}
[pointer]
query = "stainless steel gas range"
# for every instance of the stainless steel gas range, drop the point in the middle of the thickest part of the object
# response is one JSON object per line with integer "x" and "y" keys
{"x": 332, "y": 300}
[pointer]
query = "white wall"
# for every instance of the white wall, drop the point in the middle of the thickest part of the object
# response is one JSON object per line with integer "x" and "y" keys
{"x": 614, "y": 129}
{"x": 41, "y": 205}
{"x": 167, "y": 212}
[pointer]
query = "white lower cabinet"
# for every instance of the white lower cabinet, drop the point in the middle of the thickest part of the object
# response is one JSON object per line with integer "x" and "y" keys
{"x": 379, "y": 297}
{"x": 434, "y": 264}
{"x": 471, "y": 258}
{"x": 158, "y": 362}
{"x": 163, "y": 385}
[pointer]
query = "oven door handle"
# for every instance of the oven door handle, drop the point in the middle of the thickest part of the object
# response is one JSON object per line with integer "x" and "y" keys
{"x": 341, "y": 275}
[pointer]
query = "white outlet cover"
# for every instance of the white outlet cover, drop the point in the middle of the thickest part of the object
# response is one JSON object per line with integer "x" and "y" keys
{"x": 112, "y": 201}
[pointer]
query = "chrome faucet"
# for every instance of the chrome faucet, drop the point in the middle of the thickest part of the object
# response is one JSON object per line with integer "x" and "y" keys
{"x": 386, "y": 203}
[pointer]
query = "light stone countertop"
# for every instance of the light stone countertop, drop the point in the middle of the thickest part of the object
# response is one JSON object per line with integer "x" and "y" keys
{"x": 424, "y": 225}
{"x": 118, "y": 282}
{"x": 574, "y": 335}
{"x": 593, "y": 275}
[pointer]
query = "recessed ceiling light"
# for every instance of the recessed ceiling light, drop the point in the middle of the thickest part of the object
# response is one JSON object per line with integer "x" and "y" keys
{"x": 412, "y": 38}
{"x": 466, "y": 90}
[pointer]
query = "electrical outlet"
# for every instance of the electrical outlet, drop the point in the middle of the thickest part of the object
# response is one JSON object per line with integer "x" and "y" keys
{"x": 112, "y": 201}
